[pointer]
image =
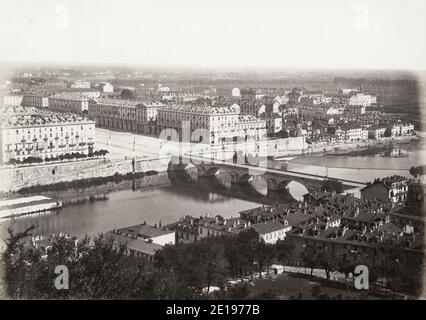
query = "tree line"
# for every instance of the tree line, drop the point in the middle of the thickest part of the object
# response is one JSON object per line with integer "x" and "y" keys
{"x": 61, "y": 157}
{"x": 98, "y": 269}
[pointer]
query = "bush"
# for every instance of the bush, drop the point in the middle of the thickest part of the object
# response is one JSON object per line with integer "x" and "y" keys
{"x": 332, "y": 185}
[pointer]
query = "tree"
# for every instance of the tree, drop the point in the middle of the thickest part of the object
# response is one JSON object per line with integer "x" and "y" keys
{"x": 345, "y": 265}
{"x": 413, "y": 171}
{"x": 326, "y": 261}
{"x": 214, "y": 264}
{"x": 332, "y": 185}
{"x": 416, "y": 171}
{"x": 196, "y": 266}
{"x": 100, "y": 270}
{"x": 103, "y": 152}
{"x": 127, "y": 94}
{"x": 248, "y": 241}
{"x": 100, "y": 153}
{"x": 13, "y": 263}
{"x": 282, "y": 134}
{"x": 308, "y": 256}
{"x": 265, "y": 253}
{"x": 14, "y": 161}
{"x": 387, "y": 133}
{"x": 284, "y": 249}
{"x": 32, "y": 159}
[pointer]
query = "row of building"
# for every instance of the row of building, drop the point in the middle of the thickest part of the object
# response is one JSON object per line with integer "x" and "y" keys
{"x": 31, "y": 132}
{"x": 249, "y": 115}
{"x": 221, "y": 122}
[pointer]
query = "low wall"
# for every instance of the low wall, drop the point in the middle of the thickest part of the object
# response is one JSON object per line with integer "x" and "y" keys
{"x": 287, "y": 146}
{"x": 15, "y": 178}
{"x": 272, "y": 147}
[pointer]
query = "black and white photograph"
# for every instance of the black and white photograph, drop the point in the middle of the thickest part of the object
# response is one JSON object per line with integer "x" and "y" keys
{"x": 212, "y": 150}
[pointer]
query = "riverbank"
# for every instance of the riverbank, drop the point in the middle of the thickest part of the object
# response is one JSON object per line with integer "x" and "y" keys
{"x": 78, "y": 192}
{"x": 369, "y": 151}
{"x": 19, "y": 178}
{"x": 84, "y": 183}
{"x": 380, "y": 147}
{"x": 337, "y": 148}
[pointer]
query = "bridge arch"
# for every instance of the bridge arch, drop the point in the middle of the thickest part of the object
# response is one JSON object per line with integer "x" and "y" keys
{"x": 296, "y": 189}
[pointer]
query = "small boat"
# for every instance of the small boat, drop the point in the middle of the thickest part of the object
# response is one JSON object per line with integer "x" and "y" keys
{"x": 15, "y": 207}
{"x": 396, "y": 153}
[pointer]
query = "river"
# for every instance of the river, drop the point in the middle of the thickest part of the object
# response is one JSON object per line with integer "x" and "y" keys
{"x": 361, "y": 168}
{"x": 124, "y": 205}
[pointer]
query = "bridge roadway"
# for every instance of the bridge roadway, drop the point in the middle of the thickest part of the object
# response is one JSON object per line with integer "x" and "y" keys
{"x": 284, "y": 173}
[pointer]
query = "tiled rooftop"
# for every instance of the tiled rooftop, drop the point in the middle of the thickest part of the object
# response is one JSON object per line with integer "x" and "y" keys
{"x": 203, "y": 109}
{"x": 118, "y": 102}
{"x": 134, "y": 244}
{"x": 23, "y": 117}
{"x": 143, "y": 231}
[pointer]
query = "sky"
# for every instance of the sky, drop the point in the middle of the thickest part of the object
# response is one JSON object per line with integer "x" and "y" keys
{"x": 347, "y": 34}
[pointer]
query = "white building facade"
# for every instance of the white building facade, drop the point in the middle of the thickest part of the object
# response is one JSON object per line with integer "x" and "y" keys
{"x": 211, "y": 124}
{"x": 69, "y": 102}
{"x": 81, "y": 84}
{"x": 39, "y": 133}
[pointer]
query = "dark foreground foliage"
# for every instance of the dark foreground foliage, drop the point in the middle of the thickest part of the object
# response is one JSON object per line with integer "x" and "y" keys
{"x": 100, "y": 270}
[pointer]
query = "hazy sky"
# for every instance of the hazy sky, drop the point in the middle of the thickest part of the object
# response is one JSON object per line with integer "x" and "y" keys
{"x": 298, "y": 33}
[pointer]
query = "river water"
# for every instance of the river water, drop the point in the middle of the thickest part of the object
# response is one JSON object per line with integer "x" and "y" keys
{"x": 166, "y": 203}
{"x": 362, "y": 168}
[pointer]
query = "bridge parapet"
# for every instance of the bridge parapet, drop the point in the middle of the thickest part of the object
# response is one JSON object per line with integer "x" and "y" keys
{"x": 241, "y": 174}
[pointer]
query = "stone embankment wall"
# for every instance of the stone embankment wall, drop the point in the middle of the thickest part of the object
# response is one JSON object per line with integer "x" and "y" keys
{"x": 272, "y": 147}
{"x": 15, "y": 178}
{"x": 287, "y": 146}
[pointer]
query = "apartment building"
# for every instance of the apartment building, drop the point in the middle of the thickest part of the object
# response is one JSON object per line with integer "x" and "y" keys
{"x": 27, "y": 132}
{"x": 211, "y": 124}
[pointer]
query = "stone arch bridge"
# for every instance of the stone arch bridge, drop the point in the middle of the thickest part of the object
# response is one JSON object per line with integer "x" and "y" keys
{"x": 275, "y": 179}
